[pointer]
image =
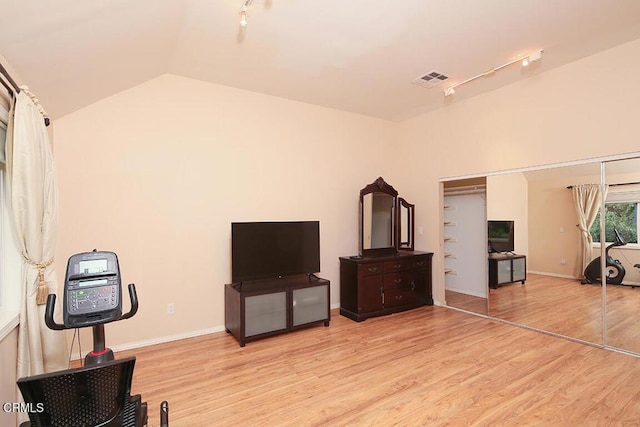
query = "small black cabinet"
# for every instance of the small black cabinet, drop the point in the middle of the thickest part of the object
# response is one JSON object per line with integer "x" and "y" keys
{"x": 507, "y": 268}
{"x": 262, "y": 308}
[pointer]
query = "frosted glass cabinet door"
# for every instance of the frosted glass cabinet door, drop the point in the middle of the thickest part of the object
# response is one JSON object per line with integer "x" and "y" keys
{"x": 265, "y": 313}
{"x": 519, "y": 273}
{"x": 310, "y": 304}
{"x": 504, "y": 271}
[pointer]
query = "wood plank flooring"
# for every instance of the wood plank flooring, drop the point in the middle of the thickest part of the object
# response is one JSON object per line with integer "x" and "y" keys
{"x": 430, "y": 366}
{"x": 563, "y": 306}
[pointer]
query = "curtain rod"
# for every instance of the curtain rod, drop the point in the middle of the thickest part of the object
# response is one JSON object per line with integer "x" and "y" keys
{"x": 13, "y": 87}
{"x": 569, "y": 187}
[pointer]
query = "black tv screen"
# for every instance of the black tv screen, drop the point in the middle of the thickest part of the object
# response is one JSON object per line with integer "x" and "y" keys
{"x": 263, "y": 250}
{"x": 501, "y": 237}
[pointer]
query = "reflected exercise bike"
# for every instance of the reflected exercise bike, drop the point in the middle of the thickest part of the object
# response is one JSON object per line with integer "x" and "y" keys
{"x": 614, "y": 270}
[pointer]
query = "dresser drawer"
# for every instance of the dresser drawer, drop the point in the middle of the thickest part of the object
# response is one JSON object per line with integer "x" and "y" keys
{"x": 397, "y": 265}
{"x": 398, "y": 297}
{"x": 370, "y": 269}
{"x": 421, "y": 262}
{"x": 402, "y": 279}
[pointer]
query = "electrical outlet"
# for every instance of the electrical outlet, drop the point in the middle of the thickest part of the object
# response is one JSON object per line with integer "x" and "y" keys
{"x": 171, "y": 308}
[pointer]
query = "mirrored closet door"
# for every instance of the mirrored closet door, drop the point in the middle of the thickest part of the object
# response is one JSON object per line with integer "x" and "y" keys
{"x": 622, "y": 318}
{"x": 552, "y": 298}
{"x": 546, "y": 233}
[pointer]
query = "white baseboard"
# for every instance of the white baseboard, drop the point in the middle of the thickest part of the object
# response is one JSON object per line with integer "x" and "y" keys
{"x": 466, "y": 292}
{"x": 169, "y": 338}
{"x": 160, "y": 340}
{"x": 561, "y": 276}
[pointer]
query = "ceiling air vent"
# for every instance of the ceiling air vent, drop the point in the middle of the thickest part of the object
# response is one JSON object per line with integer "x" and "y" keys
{"x": 434, "y": 78}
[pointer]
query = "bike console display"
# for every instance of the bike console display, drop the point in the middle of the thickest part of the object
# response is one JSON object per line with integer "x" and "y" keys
{"x": 92, "y": 289}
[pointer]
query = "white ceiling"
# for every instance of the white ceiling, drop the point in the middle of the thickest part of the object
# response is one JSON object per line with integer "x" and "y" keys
{"x": 352, "y": 55}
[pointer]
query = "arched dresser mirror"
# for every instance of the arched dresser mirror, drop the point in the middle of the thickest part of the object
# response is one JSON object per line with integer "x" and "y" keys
{"x": 406, "y": 225}
{"x": 378, "y": 218}
{"x": 387, "y": 275}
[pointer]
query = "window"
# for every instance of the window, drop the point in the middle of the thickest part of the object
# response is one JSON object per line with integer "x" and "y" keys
{"x": 10, "y": 261}
{"x": 621, "y": 215}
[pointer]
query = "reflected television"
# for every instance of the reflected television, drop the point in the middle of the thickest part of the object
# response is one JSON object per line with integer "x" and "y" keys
{"x": 501, "y": 235}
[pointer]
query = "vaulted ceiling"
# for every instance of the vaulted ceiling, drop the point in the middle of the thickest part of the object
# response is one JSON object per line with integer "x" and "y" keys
{"x": 353, "y": 55}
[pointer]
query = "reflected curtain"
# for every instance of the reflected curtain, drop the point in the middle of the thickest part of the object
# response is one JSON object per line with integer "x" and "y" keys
{"x": 34, "y": 206}
{"x": 587, "y": 199}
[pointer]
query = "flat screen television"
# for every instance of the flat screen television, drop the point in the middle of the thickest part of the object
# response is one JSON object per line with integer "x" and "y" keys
{"x": 500, "y": 234}
{"x": 265, "y": 250}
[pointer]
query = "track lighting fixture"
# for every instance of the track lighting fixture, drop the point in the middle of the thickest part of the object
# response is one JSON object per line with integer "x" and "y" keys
{"x": 243, "y": 12}
{"x": 524, "y": 60}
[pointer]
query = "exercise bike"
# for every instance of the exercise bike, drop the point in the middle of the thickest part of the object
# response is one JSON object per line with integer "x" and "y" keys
{"x": 614, "y": 269}
{"x": 92, "y": 297}
{"x": 99, "y": 392}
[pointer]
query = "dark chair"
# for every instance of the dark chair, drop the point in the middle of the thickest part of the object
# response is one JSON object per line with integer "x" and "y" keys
{"x": 97, "y": 395}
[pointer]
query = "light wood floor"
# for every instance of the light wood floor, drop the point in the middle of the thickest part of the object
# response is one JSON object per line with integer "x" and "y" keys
{"x": 563, "y": 306}
{"x": 430, "y": 366}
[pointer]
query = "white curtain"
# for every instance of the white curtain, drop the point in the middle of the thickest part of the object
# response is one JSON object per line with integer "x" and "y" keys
{"x": 34, "y": 205}
{"x": 587, "y": 199}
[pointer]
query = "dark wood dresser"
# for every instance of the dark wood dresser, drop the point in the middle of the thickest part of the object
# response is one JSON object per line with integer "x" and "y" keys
{"x": 378, "y": 285}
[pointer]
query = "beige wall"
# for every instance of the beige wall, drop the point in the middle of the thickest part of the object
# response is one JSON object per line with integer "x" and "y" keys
{"x": 507, "y": 199}
{"x": 158, "y": 173}
{"x": 553, "y": 219}
{"x": 564, "y": 114}
{"x": 8, "y": 369}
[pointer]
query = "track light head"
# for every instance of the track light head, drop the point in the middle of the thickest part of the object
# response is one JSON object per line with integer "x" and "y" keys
{"x": 243, "y": 12}
{"x": 532, "y": 57}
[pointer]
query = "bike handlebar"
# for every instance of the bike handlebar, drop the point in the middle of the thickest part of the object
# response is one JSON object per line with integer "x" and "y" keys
{"x": 51, "y": 303}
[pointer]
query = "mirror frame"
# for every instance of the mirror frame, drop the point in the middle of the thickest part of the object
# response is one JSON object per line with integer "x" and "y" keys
{"x": 409, "y": 245}
{"x": 379, "y": 186}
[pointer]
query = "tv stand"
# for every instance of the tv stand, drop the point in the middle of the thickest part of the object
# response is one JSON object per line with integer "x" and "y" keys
{"x": 261, "y": 308}
{"x": 506, "y": 268}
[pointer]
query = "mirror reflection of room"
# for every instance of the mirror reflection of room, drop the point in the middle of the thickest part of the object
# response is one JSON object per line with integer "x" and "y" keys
{"x": 545, "y": 230}
{"x": 541, "y": 260}
{"x": 378, "y": 211}
{"x": 622, "y": 273}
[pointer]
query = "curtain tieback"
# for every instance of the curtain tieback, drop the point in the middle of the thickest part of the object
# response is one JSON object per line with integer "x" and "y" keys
{"x": 43, "y": 289}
